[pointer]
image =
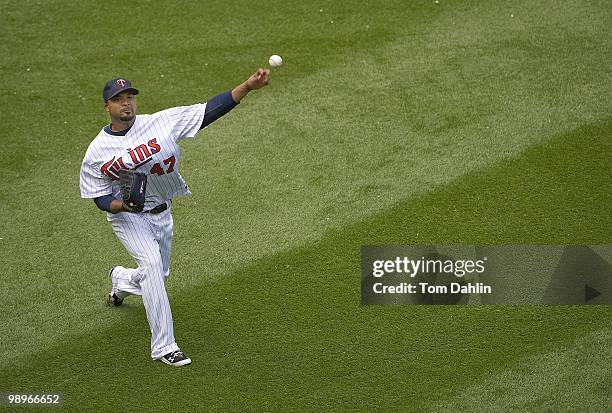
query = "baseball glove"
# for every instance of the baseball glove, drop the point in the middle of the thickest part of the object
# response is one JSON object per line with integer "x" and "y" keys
{"x": 133, "y": 189}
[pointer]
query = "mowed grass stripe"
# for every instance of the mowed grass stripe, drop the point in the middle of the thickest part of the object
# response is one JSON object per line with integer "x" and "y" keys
{"x": 425, "y": 109}
{"x": 288, "y": 332}
{"x": 571, "y": 378}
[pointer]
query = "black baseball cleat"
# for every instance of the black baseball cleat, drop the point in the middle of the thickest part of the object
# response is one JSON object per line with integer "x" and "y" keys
{"x": 113, "y": 300}
{"x": 176, "y": 358}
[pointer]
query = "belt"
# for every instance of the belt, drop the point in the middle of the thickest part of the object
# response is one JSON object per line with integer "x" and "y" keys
{"x": 158, "y": 209}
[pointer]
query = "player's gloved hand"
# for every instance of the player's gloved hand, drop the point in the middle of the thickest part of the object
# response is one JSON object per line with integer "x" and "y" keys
{"x": 133, "y": 189}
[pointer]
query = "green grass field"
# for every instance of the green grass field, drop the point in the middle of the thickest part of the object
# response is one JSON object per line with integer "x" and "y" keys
{"x": 391, "y": 122}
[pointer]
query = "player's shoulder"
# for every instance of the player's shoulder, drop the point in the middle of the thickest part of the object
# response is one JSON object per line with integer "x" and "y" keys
{"x": 97, "y": 140}
{"x": 99, "y": 144}
{"x": 179, "y": 110}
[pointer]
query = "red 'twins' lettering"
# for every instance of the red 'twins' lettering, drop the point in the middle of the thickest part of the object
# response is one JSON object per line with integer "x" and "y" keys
{"x": 140, "y": 155}
{"x": 143, "y": 153}
{"x": 154, "y": 146}
{"x": 111, "y": 168}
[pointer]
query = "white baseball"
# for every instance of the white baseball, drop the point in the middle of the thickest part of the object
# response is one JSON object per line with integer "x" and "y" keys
{"x": 275, "y": 60}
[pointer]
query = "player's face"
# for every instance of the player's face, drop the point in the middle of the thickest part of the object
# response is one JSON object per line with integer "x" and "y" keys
{"x": 122, "y": 107}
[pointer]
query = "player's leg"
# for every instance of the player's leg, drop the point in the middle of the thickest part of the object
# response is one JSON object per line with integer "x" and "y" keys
{"x": 164, "y": 225}
{"x": 125, "y": 281}
{"x": 138, "y": 236}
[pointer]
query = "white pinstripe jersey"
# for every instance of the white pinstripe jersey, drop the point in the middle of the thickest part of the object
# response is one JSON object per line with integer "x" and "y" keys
{"x": 150, "y": 146}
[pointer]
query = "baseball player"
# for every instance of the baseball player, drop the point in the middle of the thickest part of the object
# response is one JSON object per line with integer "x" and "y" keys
{"x": 145, "y": 147}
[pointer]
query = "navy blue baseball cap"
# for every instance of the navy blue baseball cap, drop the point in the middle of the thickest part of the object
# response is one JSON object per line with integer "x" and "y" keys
{"x": 115, "y": 86}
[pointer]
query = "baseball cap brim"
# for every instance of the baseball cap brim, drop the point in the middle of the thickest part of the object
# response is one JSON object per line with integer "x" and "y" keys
{"x": 127, "y": 89}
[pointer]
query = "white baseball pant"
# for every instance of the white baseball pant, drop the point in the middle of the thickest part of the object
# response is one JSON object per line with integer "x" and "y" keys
{"x": 148, "y": 239}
